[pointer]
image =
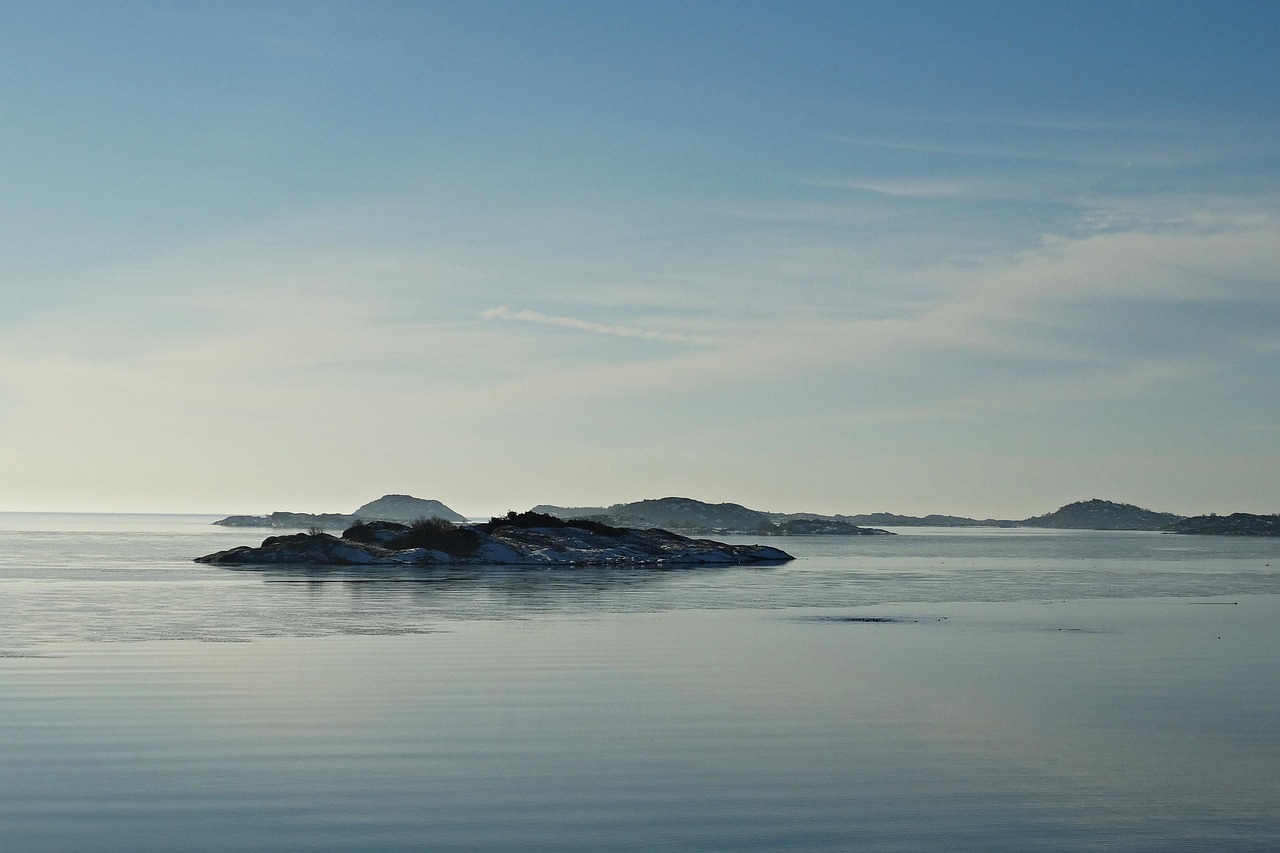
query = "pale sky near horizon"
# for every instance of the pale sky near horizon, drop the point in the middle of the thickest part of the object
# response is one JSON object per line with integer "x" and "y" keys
{"x": 971, "y": 258}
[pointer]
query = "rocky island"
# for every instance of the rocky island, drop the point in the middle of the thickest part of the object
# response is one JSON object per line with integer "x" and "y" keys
{"x": 529, "y": 538}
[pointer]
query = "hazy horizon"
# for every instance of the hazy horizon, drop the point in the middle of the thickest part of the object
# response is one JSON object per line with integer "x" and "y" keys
{"x": 493, "y": 510}
{"x": 976, "y": 259}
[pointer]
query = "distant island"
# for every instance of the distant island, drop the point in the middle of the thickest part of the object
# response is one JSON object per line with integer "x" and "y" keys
{"x": 1091, "y": 514}
{"x": 1236, "y": 524}
{"x": 528, "y": 538}
{"x": 1102, "y": 515}
{"x": 690, "y": 516}
{"x": 1105, "y": 515}
{"x": 693, "y": 517}
{"x": 401, "y": 508}
{"x": 683, "y": 515}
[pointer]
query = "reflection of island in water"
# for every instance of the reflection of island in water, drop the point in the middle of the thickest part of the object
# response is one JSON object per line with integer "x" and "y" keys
{"x": 553, "y": 588}
{"x": 526, "y": 539}
{"x": 411, "y": 599}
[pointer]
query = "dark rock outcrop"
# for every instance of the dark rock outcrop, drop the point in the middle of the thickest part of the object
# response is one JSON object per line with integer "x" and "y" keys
{"x": 514, "y": 540}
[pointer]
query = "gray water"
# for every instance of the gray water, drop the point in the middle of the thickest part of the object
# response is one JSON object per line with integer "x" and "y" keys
{"x": 937, "y": 690}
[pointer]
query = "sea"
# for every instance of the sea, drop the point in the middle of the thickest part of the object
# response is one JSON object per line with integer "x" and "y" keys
{"x": 939, "y": 690}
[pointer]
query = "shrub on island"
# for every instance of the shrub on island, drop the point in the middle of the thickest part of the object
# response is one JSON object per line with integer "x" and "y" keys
{"x": 433, "y": 533}
{"x": 530, "y": 519}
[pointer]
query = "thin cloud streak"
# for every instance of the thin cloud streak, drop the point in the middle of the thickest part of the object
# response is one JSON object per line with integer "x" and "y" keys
{"x": 1074, "y": 153}
{"x": 527, "y": 316}
{"x": 914, "y": 189}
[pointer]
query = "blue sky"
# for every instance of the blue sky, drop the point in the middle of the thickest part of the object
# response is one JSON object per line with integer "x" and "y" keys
{"x": 978, "y": 258}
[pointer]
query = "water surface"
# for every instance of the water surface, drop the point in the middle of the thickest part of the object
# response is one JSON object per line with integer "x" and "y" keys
{"x": 939, "y": 690}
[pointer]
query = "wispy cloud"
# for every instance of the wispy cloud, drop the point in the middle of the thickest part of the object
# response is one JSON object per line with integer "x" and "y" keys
{"x": 527, "y": 316}
{"x": 1038, "y": 149}
{"x": 917, "y": 189}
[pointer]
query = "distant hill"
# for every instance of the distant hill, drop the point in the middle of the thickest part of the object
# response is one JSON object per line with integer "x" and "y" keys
{"x": 1102, "y": 515}
{"x": 682, "y": 514}
{"x": 687, "y": 515}
{"x": 1236, "y": 524}
{"x": 405, "y": 508}
{"x": 401, "y": 508}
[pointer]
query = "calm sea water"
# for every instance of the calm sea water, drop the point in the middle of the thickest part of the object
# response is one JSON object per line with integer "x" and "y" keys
{"x": 938, "y": 690}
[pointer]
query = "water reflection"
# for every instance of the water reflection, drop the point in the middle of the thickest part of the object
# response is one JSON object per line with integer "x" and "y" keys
{"x": 539, "y": 710}
{"x": 458, "y": 589}
{"x": 676, "y": 730}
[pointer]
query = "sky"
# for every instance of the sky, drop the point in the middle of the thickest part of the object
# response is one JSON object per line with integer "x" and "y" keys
{"x": 962, "y": 257}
